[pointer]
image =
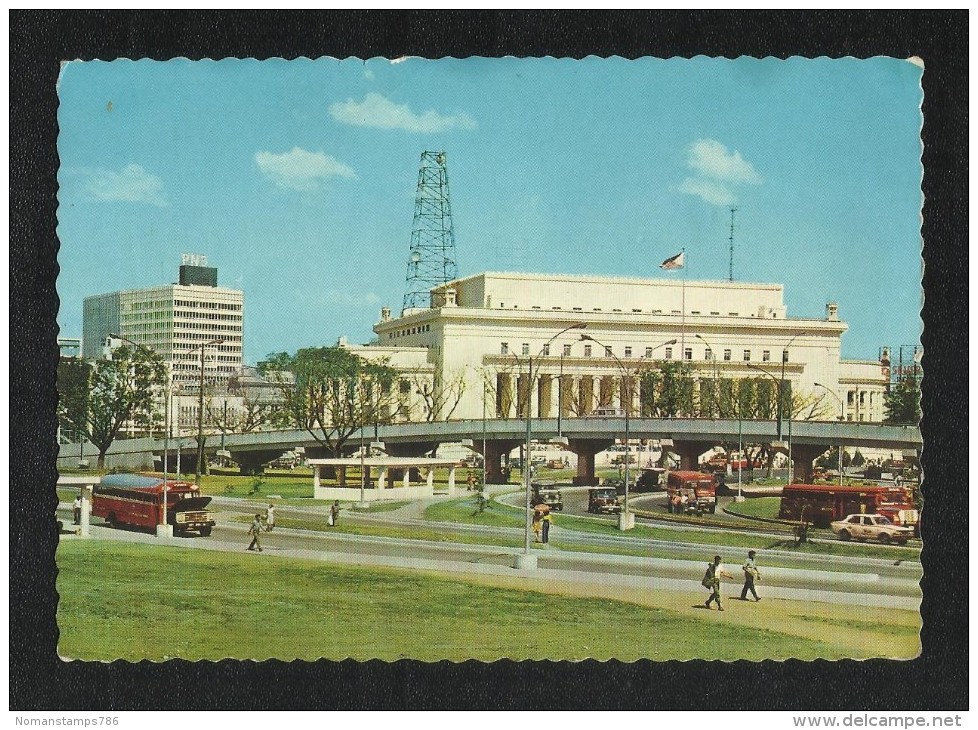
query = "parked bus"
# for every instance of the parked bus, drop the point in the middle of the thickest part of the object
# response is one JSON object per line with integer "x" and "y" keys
{"x": 825, "y": 503}
{"x": 691, "y": 491}
{"x": 137, "y": 500}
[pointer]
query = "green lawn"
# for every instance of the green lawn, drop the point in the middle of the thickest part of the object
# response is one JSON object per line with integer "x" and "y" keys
{"x": 767, "y": 507}
{"x": 197, "y": 604}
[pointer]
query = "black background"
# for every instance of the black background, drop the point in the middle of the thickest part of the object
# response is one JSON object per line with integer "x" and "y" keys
{"x": 39, "y": 41}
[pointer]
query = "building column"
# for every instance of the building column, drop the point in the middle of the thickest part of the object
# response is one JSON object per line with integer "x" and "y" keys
{"x": 452, "y": 492}
{"x": 407, "y": 477}
{"x": 430, "y": 481}
{"x": 317, "y": 483}
{"x": 382, "y": 477}
{"x": 341, "y": 476}
{"x": 86, "y": 509}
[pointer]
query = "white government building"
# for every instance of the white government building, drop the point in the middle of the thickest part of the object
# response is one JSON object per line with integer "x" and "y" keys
{"x": 477, "y": 334}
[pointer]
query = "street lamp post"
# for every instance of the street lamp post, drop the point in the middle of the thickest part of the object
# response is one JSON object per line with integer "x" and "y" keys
{"x": 716, "y": 372}
{"x": 842, "y": 416}
{"x": 626, "y": 521}
{"x": 200, "y": 407}
{"x": 525, "y": 560}
{"x": 778, "y": 383}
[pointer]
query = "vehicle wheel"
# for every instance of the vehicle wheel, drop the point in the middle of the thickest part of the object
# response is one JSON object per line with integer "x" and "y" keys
{"x": 844, "y": 535}
{"x": 206, "y": 531}
{"x": 884, "y": 538}
{"x": 713, "y": 510}
{"x": 110, "y": 520}
{"x": 901, "y": 542}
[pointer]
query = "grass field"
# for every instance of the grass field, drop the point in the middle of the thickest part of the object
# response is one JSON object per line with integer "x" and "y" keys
{"x": 759, "y": 507}
{"x": 206, "y": 605}
{"x": 502, "y": 515}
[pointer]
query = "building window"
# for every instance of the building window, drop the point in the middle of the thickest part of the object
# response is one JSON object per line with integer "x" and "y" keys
{"x": 668, "y": 353}
{"x": 546, "y": 349}
{"x": 715, "y": 314}
{"x": 566, "y": 350}
{"x": 607, "y": 351}
{"x": 587, "y": 351}
{"x": 708, "y": 354}
{"x": 526, "y": 348}
{"x": 688, "y": 353}
{"x": 746, "y": 355}
{"x": 648, "y": 352}
{"x": 766, "y": 356}
{"x": 504, "y": 348}
{"x": 628, "y": 352}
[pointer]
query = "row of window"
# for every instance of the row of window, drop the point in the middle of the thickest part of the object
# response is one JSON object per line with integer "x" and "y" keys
{"x": 184, "y": 327}
{"x": 227, "y": 346}
{"x": 668, "y": 354}
{"x": 409, "y": 331}
{"x": 207, "y": 305}
{"x": 695, "y": 312}
{"x": 207, "y": 315}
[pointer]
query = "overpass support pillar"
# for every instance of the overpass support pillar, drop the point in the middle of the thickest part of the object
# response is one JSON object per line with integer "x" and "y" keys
{"x": 492, "y": 458}
{"x": 688, "y": 453}
{"x": 249, "y": 464}
{"x": 803, "y": 455}
{"x": 586, "y": 450}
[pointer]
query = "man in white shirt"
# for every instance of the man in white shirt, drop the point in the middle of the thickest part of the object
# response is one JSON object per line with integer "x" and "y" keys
{"x": 270, "y": 517}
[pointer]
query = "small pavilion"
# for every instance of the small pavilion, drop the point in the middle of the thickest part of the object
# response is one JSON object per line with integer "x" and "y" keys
{"x": 393, "y": 477}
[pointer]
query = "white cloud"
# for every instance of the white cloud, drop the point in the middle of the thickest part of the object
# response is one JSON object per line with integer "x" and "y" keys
{"x": 132, "y": 184}
{"x": 712, "y": 192}
{"x": 379, "y": 112}
{"x": 712, "y": 159}
{"x": 301, "y": 169}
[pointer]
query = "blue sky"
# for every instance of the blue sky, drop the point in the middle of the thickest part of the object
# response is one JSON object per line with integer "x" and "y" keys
{"x": 297, "y": 180}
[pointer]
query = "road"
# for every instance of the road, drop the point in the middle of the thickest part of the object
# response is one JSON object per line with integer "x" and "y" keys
{"x": 658, "y": 565}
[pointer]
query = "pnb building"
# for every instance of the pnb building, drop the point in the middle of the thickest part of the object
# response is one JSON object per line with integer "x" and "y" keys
{"x": 173, "y": 320}
{"x": 482, "y": 329}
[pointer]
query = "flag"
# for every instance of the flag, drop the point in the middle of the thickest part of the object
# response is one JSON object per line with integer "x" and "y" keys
{"x": 674, "y": 262}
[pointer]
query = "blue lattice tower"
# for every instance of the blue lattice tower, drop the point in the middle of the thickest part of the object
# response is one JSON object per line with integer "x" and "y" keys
{"x": 432, "y": 258}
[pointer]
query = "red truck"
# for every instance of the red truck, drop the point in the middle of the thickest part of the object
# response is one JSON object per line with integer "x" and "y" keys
{"x": 691, "y": 491}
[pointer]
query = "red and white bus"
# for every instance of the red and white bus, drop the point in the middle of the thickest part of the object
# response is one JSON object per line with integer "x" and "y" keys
{"x": 821, "y": 504}
{"x": 136, "y": 500}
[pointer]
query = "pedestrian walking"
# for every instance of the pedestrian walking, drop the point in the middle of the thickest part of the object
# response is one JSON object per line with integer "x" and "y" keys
{"x": 270, "y": 518}
{"x": 711, "y": 580}
{"x": 334, "y": 513}
{"x": 76, "y": 510}
{"x": 547, "y": 521}
{"x": 536, "y": 524}
{"x": 255, "y": 532}
{"x": 751, "y": 574}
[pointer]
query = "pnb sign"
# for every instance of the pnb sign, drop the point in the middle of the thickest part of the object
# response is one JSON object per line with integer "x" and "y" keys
{"x": 193, "y": 259}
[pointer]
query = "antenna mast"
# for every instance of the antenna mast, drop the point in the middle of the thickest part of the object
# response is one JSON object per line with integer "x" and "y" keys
{"x": 732, "y": 211}
{"x": 432, "y": 258}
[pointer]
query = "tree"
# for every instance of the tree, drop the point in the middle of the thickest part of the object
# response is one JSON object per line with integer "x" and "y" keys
{"x": 98, "y": 399}
{"x": 440, "y": 395}
{"x": 334, "y": 393}
{"x": 902, "y": 401}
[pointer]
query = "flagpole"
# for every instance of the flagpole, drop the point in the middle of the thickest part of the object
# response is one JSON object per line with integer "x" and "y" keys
{"x": 682, "y": 346}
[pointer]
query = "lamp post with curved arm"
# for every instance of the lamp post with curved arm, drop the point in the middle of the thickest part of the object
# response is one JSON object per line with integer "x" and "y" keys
{"x": 525, "y": 560}
{"x": 780, "y": 443}
{"x": 625, "y": 520}
{"x": 716, "y": 371}
{"x": 842, "y": 416}
{"x": 200, "y": 406}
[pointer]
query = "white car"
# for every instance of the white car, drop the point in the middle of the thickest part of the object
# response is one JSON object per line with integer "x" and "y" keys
{"x": 871, "y": 527}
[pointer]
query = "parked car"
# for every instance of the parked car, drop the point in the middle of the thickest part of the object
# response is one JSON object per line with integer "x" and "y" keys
{"x": 871, "y": 527}
{"x": 548, "y": 494}
{"x": 615, "y": 483}
{"x": 603, "y": 500}
{"x": 649, "y": 479}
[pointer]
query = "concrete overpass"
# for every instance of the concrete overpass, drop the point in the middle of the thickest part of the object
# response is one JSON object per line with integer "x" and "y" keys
{"x": 586, "y": 437}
